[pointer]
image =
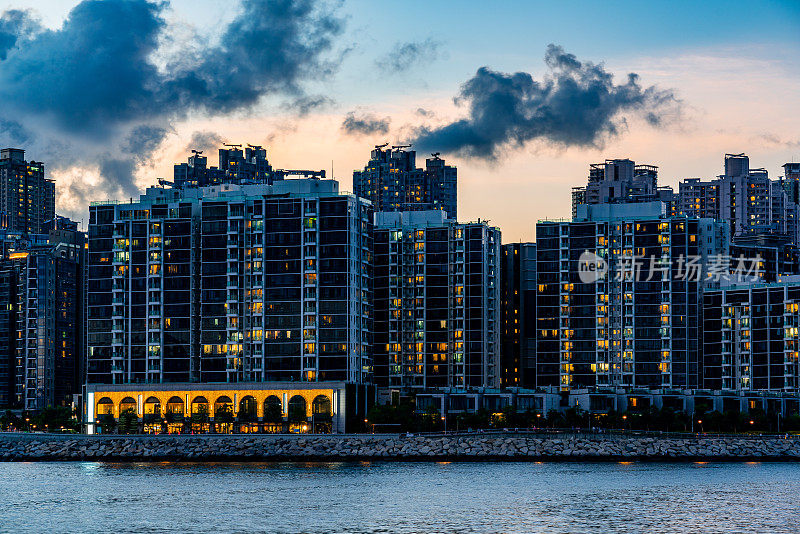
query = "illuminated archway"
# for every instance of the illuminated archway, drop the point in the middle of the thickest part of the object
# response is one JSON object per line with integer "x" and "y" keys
{"x": 200, "y": 406}
{"x": 128, "y": 403}
{"x": 321, "y": 405}
{"x": 297, "y": 409}
{"x": 273, "y": 409}
{"x": 152, "y": 406}
{"x": 105, "y": 406}
{"x": 175, "y": 406}
{"x": 248, "y": 409}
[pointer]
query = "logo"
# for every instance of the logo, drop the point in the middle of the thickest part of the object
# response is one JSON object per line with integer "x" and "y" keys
{"x": 591, "y": 267}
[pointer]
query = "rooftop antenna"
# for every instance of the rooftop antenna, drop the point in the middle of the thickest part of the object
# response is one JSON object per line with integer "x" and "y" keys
{"x": 394, "y": 147}
{"x": 232, "y": 145}
{"x": 384, "y": 145}
{"x": 435, "y": 154}
{"x": 197, "y": 152}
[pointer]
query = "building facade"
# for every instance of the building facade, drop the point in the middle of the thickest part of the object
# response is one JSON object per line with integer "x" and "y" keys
{"x": 392, "y": 181}
{"x": 235, "y": 166}
{"x": 620, "y": 181}
{"x": 633, "y": 320}
{"x": 747, "y": 198}
{"x": 50, "y": 313}
{"x": 750, "y": 338}
{"x": 437, "y": 302}
{"x": 231, "y": 283}
{"x": 27, "y": 198}
{"x": 255, "y": 407}
{"x": 518, "y": 312}
{"x": 9, "y": 275}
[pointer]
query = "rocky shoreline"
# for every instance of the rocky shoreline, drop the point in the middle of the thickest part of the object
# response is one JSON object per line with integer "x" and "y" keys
{"x": 518, "y": 447}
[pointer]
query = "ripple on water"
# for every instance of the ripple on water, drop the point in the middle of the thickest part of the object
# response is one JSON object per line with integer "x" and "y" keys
{"x": 399, "y": 497}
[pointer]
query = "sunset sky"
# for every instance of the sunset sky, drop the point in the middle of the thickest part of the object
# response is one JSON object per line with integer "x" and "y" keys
{"x": 108, "y": 117}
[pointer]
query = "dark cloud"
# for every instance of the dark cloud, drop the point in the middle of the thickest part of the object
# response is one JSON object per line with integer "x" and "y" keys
{"x": 143, "y": 140}
{"x": 365, "y": 124}
{"x": 422, "y": 112}
{"x": 403, "y": 56}
{"x": 306, "y": 104}
{"x": 15, "y": 26}
{"x": 13, "y": 133}
{"x": 118, "y": 173}
{"x": 576, "y": 104}
{"x": 93, "y": 74}
{"x": 271, "y": 47}
{"x": 770, "y": 139}
{"x": 95, "y": 81}
{"x": 205, "y": 141}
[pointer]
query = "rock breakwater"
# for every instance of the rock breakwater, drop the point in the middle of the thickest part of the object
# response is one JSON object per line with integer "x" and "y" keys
{"x": 532, "y": 447}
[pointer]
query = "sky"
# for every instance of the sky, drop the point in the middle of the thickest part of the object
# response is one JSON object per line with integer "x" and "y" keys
{"x": 521, "y": 96}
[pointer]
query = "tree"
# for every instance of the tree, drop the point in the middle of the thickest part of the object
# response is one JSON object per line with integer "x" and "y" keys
{"x": 128, "y": 422}
{"x": 478, "y": 419}
{"x": 400, "y": 417}
{"x": 107, "y": 423}
{"x": 173, "y": 416}
{"x": 200, "y": 415}
{"x": 10, "y": 421}
{"x": 297, "y": 413}
{"x": 55, "y": 418}
{"x": 273, "y": 413}
{"x": 431, "y": 419}
{"x": 223, "y": 414}
{"x": 555, "y": 419}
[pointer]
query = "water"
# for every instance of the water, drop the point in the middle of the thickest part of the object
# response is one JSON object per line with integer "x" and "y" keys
{"x": 399, "y": 497}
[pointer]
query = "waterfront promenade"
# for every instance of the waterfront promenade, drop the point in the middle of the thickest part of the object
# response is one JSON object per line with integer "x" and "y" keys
{"x": 524, "y": 446}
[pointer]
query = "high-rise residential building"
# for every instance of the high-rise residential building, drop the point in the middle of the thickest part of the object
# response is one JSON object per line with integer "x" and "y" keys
{"x": 747, "y": 198}
{"x": 620, "y": 181}
{"x": 697, "y": 198}
{"x": 778, "y": 255}
{"x": 8, "y": 331}
{"x": 50, "y": 292}
{"x": 231, "y": 283}
{"x": 235, "y": 166}
{"x": 27, "y": 198}
{"x": 437, "y": 302}
{"x": 750, "y": 338}
{"x": 518, "y": 312}
{"x": 392, "y": 181}
{"x": 791, "y": 181}
{"x": 619, "y": 295}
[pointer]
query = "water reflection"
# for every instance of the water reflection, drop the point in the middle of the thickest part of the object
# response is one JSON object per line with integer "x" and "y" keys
{"x": 399, "y": 497}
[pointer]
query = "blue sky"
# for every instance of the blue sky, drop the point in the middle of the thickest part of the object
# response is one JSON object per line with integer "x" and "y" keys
{"x": 734, "y": 66}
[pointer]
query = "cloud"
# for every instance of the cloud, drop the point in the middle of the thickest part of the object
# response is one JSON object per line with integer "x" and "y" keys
{"x": 404, "y": 56}
{"x": 143, "y": 141}
{"x": 365, "y": 124}
{"x": 576, "y": 104}
{"x": 768, "y": 139}
{"x": 205, "y": 141}
{"x": 103, "y": 83}
{"x": 306, "y": 104}
{"x": 16, "y": 26}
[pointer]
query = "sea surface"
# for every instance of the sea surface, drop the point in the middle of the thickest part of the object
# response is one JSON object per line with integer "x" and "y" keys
{"x": 59, "y": 497}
